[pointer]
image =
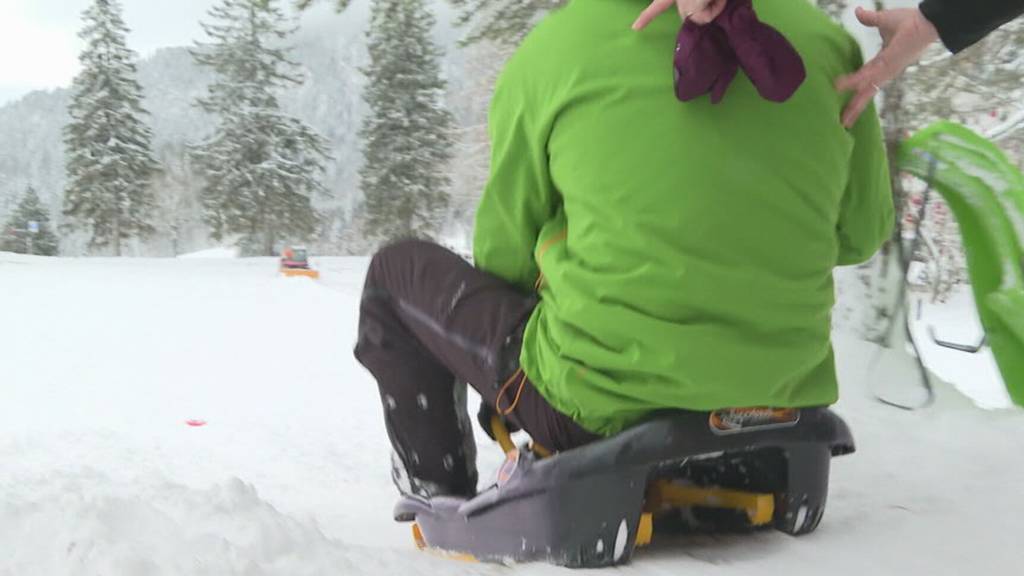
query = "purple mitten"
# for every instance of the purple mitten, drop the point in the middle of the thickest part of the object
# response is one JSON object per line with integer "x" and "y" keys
{"x": 710, "y": 64}
{"x": 708, "y": 57}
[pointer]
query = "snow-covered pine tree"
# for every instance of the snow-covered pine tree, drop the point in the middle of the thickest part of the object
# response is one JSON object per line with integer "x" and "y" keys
{"x": 260, "y": 167}
{"x": 109, "y": 163}
{"x": 505, "y": 21}
{"x": 482, "y": 63}
{"x": 180, "y": 223}
{"x": 8, "y": 199}
{"x": 408, "y": 132}
{"x": 19, "y": 238}
{"x": 980, "y": 87}
{"x": 338, "y": 4}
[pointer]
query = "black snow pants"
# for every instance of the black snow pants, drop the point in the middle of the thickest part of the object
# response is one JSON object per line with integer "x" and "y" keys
{"x": 429, "y": 324}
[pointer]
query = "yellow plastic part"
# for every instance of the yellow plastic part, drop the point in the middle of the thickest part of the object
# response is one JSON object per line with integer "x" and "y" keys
{"x": 461, "y": 557}
{"x": 645, "y": 530}
{"x": 417, "y": 537}
{"x": 421, "y": 543}
{"x": 540, "y": 451}
{"x": 504, "y": 439}
{"x": 760, "y": 508}
{"x": 502, "y": 435}
{"x": 308, "y": 273}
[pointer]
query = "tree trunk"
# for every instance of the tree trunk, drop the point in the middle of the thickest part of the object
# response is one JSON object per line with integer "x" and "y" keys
{"x": 117, "y": 235}
{"x": 890, "y": 274}
{"x": 269, "y": 241}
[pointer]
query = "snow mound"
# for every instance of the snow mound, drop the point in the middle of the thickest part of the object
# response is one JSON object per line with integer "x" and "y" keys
{"x": 87, "y": 523}
{"x": 223, "y": 252}
{"x": 12, "y": 258}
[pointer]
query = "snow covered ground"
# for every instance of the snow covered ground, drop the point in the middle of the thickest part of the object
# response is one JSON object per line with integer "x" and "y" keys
{"x": 103, "y": 363}
{"x": 976, "y": 376}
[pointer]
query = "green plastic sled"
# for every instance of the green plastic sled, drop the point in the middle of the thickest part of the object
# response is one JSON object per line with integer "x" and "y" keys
{"x": 986, "y": 194}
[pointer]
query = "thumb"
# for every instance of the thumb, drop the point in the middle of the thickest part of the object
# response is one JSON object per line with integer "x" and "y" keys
{"x": 652, "y": 11}
{"x": 869, "y": 18}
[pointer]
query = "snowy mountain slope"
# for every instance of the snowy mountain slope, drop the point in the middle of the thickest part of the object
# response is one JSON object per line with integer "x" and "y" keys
{"x": 30, "y": 147}
{"x": 103, "y": 362}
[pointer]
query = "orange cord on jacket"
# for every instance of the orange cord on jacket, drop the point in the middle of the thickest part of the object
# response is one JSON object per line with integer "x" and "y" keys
{"x": 504, "y": 389}
{"x": 519, "y": 371}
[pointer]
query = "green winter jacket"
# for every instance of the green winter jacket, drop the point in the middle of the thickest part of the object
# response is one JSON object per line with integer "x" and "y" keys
{"x": 683, "y": 252}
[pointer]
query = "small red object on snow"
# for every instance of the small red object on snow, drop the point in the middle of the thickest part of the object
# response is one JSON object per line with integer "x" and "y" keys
{"x": 195, "y": 423}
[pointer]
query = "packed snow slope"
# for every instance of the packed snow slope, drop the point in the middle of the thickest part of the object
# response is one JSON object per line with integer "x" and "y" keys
{"x": 103, "y": 363}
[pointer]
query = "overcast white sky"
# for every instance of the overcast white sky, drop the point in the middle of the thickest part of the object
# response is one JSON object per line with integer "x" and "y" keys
{"x": 39, "y": 42}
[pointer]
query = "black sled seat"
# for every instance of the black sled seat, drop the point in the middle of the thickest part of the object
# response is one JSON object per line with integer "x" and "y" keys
{"x": 593, "y": 506}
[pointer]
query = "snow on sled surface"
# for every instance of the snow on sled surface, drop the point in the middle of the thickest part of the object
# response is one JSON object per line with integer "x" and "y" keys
{"x": 102, "y": 474}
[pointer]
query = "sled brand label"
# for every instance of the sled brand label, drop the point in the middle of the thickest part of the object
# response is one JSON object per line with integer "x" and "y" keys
{"x": 740, "y": 420}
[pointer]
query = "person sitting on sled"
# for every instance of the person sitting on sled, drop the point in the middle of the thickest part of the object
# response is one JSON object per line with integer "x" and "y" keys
{"x": 635, "y": 253}
{"x": 292, "y": 258}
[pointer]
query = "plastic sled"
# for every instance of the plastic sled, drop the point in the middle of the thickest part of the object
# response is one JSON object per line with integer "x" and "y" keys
{"x": 966, "y": 348}
{"x": 594, "y": 506}
{"x": 307, "y": 272}
{"x": 985, "y": 191}
{"x": 295, "y": 262}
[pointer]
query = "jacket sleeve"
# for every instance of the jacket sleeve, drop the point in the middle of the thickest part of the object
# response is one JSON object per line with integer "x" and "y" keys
{"x": 520, "y": 196}
{"x": 867, "y": 215}
{"x": 961, "y": 23}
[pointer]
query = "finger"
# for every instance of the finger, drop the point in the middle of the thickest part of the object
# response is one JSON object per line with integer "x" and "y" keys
{"x": 687, "y": 8}
{"x": 857, "y": 106}
{"x": 869, "y": 18}
{"x": 653, "y": 11}
{"x": 872, "y": 75}
{"x": 709, "y": 12}
{"x": 852, "y": 82}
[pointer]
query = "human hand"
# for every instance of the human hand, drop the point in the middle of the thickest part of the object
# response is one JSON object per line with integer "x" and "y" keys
{"x": 700, "y": 11}
{"x": 906, "y": 33}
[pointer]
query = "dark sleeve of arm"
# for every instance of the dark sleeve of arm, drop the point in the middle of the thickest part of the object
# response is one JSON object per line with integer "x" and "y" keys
{"x": 961, "y": 23}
